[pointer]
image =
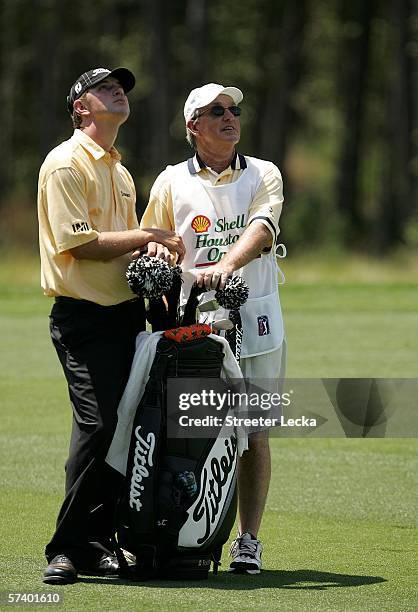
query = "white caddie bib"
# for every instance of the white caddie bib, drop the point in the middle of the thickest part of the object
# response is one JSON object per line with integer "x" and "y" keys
{"x": 210, "y": 219}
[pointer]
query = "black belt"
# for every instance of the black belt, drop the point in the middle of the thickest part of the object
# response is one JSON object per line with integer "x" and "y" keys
{"x": 63, "y": 299}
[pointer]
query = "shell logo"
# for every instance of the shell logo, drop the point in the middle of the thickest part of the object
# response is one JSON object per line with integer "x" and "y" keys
{"x": 200, "y": 224}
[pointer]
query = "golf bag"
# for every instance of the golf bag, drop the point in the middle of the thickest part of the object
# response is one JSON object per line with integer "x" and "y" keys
{"x": 179, "y": 501}
{"x": 178, "y": 504}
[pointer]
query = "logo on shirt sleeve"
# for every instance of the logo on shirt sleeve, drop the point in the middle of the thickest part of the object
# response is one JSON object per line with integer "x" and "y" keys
{"x": 80, "y": 226}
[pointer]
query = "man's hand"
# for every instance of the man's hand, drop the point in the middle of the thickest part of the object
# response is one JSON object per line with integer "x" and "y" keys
{"x": 215, "y": 277}
{"x": 163, "y": 245}
{"x": 170, "y": 240}
{"x": 153, "y": 249}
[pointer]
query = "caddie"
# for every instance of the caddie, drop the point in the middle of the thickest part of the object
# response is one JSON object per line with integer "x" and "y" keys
{"x": 226, "y": 207}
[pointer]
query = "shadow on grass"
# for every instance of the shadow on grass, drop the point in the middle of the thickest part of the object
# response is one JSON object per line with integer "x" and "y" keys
{"x": 302, "y": 579}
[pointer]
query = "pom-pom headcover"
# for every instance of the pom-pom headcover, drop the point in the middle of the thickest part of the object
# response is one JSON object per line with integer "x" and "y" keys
{"x": 151, "y": 277}
{"x": 234, "y": 294}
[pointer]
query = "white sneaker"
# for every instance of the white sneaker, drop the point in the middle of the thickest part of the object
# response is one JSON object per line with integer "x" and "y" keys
{"x": 246, "y": 555}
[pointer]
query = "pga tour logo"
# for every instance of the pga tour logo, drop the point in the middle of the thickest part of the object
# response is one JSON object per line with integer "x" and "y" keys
{"x": 143, "y": 459}
{"x": 263, "y": 325}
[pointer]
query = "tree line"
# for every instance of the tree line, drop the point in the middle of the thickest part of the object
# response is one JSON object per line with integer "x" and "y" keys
{"x": 330, "y": 95}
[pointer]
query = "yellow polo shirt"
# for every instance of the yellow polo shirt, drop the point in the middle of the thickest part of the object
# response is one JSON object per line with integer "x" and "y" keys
{"x": 265, "y": 208}
{"x": 83, "y": 190}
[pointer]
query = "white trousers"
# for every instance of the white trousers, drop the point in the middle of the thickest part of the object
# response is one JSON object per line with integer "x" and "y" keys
{"x": 268, "y": 366}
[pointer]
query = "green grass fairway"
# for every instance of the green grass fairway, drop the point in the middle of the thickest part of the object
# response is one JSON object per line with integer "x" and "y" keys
{"x": 340, "y": 524}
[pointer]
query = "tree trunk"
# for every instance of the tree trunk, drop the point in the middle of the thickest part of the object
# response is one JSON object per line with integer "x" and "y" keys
{"x": 278, "y": 89}
{"x": 47, "y": 40}
{"x": 159, "y": 101}
{"x": 399, "y": 194}
{"x": 197, "y": 25}
{"x": 352, "y": 77}
{"x": 9, "y": 73}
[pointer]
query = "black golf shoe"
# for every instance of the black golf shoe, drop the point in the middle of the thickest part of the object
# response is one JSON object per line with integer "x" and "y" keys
{"x": 107, "y": 565}
{"x": 60, "y": 571}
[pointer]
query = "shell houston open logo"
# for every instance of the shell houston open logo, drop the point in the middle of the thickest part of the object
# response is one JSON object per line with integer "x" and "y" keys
{"x": 200, "y": 224}
{"x": 226, "y": 231}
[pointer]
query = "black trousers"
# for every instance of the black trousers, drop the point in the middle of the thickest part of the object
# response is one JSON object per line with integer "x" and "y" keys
{"x": 95, "y": 345}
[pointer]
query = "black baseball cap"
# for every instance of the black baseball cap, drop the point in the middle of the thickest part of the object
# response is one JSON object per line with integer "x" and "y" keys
{"x": 92, "y": 77}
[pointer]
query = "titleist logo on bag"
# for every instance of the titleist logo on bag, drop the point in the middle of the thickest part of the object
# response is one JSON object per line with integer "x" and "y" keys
{"x": 215, "y": 482}
{"x": 143, "y": 459}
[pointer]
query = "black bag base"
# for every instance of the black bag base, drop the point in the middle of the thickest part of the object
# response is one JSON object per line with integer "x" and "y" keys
{"x": 197, "y": 568}
{"x": 151, "y": 566}
{"x": 185, "y": 568}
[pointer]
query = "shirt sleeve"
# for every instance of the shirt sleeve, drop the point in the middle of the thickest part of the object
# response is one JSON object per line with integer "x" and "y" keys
{"x": 67, "y": 209}
{"x": 159, "y": 210}
{"x": 266, "y": 206}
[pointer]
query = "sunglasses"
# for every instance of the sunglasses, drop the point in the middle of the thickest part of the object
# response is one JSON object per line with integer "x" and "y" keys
{"x": 218, "y": 111}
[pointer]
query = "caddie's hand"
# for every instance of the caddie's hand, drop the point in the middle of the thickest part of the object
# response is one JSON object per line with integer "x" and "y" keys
{"x": 214, "y": 278}
{"x": 170, "y": 240}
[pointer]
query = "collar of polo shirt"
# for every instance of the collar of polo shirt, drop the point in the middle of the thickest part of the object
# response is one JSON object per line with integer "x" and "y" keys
{"x": 95, "y": 150}
{"x": 196, "y": 164}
